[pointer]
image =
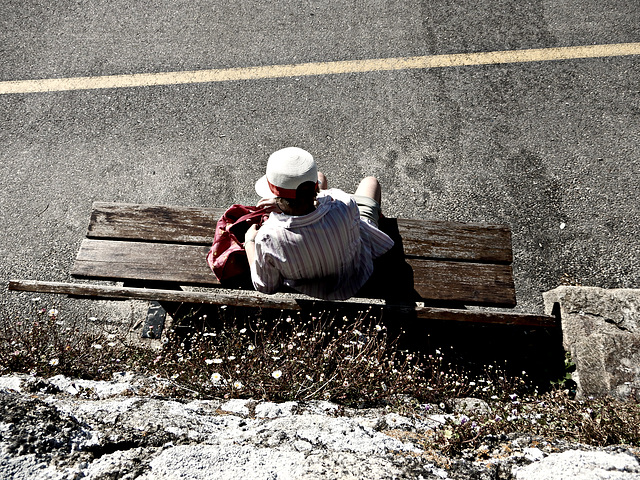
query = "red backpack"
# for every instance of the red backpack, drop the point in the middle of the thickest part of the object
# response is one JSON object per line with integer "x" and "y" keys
{"x": 227, "y": 257}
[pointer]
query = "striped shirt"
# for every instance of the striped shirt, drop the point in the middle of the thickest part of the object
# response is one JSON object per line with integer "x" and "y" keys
{"x": 326, "y": 254}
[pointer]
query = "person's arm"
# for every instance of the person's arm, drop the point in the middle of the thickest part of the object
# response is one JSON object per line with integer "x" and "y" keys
{"x": 250, "y": 243}
{"x": 265, "y": 276}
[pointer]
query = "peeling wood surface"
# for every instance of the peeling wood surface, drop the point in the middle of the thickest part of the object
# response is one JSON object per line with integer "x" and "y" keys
{"x": 445, "y": 281}
{"x": 125, "y": 293}
{"x": 438, "y": 239}
{"x": 468, "y": 283}
{"x": 120, "y": 260}
{"x": 442, "y": 263}
{"x": 427, "y": 238}
{"x": 153, "y": 223}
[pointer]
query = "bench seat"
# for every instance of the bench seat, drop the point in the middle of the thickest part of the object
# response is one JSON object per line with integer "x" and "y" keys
{"x": 444, "y": 266}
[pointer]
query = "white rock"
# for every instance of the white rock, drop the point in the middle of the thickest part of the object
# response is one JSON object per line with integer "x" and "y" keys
{"x": 107, "y": 465}
{"x": 204, "y": 439}
{"x": 13, "y": 383}
{"x": 579, "y": 465}
{"x": 233, "y": 462}
{"x": 395, "y": 421}
{"x": 338, "y": 434}
{"x": 273, "y": 410}
{"x": 533, "y": 454}
{"x": 228, "y": 462}
{"x": 28, "y": 467}
{"x": 236, "y": 406}
{"x": 302, "y": 446}
{"x": 101, "y": 389}
{"x": 320, "y": 407}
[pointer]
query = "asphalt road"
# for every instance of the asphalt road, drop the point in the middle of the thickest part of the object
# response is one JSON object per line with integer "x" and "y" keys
{"x": 549, "y": 148}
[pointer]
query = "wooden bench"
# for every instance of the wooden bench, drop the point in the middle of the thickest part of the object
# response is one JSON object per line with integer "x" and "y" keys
{"x": 436, "y": 270}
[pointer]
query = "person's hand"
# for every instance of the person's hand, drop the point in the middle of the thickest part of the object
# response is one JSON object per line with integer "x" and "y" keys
{"x": 250, "y": 236}
{"x": 269, "y": 205}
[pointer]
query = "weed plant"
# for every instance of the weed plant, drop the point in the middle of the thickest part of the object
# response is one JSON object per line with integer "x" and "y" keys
{"x": 42, "y": 343}
{"x": 552, "y": 415}
{"x": 348, "y": 360}
{"x": 305, "y": 357}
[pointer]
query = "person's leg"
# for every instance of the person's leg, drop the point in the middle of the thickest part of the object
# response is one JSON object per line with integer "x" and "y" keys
{"x": 370, "y": 187}
{"x": 322, "y": 181}
{"x": 368, "y": 196}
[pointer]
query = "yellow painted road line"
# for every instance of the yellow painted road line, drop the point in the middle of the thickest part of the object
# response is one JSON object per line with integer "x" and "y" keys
{"x": 319, "y": 68}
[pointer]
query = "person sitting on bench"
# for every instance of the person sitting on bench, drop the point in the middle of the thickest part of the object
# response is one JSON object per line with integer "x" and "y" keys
{"x": 318, "y": 241}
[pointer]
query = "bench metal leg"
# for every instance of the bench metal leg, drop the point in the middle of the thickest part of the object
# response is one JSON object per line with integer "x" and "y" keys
{"x": 154, "y": 323}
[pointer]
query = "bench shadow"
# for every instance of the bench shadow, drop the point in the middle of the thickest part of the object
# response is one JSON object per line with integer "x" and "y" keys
{"x": 392, "y": 278}
{"x": 472, "y": 347}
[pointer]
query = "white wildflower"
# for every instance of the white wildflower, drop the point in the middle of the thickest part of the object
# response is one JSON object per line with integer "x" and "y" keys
{"x": 277, "y": 374}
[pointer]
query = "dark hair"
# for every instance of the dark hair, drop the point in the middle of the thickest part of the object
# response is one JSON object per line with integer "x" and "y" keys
{"x": 305, "y": 197}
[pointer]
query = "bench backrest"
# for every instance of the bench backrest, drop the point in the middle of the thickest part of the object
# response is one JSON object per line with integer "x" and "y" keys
{"x": 451, "y": 262}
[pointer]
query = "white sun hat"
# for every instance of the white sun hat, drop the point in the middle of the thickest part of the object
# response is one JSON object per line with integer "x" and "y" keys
{"x": 287, "y": 169}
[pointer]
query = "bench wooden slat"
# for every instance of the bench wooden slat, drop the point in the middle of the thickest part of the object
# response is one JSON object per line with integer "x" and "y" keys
{"x": 153, "y": 223}
{"x": 122, "y": 260}
{"x": 464, "y": 282}
{"x": 250, "y": 299}
{"x": 472, "y": 242}
{"x": 255, "y": 299}
{"x": 461, "y": 282}
{"x": 436, "y": 239}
